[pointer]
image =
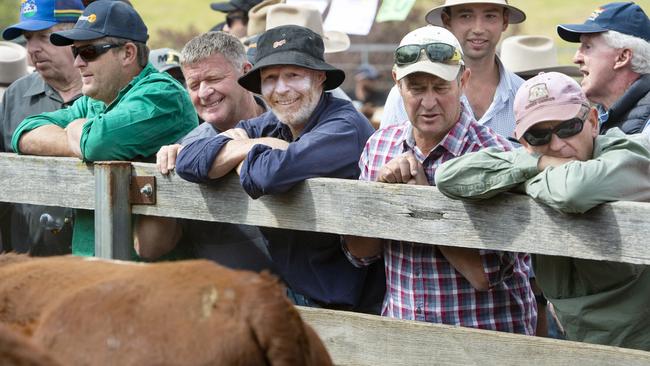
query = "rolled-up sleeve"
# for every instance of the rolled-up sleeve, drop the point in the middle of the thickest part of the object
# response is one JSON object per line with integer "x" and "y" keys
{"x": 195, "y": 160}
{"x": 331, "y": 150}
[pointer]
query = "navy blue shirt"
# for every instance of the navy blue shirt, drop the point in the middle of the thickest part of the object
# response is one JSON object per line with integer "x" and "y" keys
{"x": 312, "y": 264}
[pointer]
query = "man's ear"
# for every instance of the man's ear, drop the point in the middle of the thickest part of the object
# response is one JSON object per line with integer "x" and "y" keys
{"x": 464, "y": 79}
{"x": 247, "y": 67}
{"x": 446, "y": 19}
{"x": 592, "y": 120}
{"x": 526, "y": 146}
{"x": 320, "y": 77}
{"x": 623, "y": 58}
{"x": 506, "y": 19}
{"x": 130, "y": 54}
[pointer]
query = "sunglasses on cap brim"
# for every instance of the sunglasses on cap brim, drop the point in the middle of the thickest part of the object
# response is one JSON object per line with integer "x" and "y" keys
{"x": 91, "y": 52}
{"x": 566, "y": 129}
{"x": 436, "y": 52}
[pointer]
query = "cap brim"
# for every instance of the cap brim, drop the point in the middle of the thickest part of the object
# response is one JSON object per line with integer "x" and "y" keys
{"x": 17, "y": 30}
{"x": 434, "y": 16}
{"x": 572, "y": 32}
{"x": 67, "y": 37}
{"x": 223, "y": 7}
{"x": 251, "y": 80}
{"x": 446, "y": 72}
{"x": 551, "y": 113}
{"x": 572, "y": 71}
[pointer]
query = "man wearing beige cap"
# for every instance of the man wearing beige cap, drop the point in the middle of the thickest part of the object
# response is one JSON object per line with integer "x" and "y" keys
{"x": 478, "y": 26}
{"x": 484, "y": 289}
{"x": 567, "y": 165}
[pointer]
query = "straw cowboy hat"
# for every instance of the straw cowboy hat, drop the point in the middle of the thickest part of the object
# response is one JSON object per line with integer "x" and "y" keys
{"x": 515, "y": 14}
{"x": 13, "y": 62}
{"x": 257, "y": 16}
{"x": 527, "y": 56}
{"x": 308, "y": 17}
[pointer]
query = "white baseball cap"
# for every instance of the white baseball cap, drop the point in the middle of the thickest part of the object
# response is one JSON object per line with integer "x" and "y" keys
{"x": 445, "y": 69}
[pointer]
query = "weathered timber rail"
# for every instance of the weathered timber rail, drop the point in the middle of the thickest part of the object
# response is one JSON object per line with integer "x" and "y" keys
{"x": 614, "y": 232}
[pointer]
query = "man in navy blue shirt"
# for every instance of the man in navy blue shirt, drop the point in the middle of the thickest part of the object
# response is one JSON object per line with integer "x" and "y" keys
{"x": 307, "y": 133}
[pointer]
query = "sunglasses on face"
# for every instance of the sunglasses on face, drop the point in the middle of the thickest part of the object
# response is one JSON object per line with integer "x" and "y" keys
{"x": 542, "y": 136}
{"x": 436, "y": 52}
{"x": 91, "y": 52}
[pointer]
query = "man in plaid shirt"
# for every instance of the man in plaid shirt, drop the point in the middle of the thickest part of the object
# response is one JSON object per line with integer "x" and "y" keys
{"x": 484, "y": 289}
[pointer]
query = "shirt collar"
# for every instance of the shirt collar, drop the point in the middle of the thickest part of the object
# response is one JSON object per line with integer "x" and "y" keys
{"x": 36, "y": 87}
{"x": 453, "y": 140}
{"x": 146, "y": 71}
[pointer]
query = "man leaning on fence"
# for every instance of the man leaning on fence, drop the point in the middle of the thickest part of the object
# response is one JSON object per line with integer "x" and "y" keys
{"x": 128, "y": 109}
{"x": 56, "y": 84}
{"x": 211, "y": 62}
{"x": 565, "y": 164}
{"x": 484, "y": 289}
{"x": 614, "y": 57}
{"x": 308, "y": 133}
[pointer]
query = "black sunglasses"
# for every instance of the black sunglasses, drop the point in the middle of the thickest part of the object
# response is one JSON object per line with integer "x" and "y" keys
{"x": 437, "y": 52}
{"x": 91, "y": 52}
{"x": 542, "y": 136}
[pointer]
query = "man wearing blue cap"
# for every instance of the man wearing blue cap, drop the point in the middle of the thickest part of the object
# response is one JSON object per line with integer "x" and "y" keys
{"x": 128, "y": 109}
{"x": 55, "y": 84}
{"x": 613, "y": 57}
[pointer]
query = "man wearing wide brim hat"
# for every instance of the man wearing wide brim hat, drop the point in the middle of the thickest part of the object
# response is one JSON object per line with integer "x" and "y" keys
{"x": 613, "y": 57}
{"x": 527, "y": 56}
{"x": 307, "y": 133}
{"x": 478, "y": 26}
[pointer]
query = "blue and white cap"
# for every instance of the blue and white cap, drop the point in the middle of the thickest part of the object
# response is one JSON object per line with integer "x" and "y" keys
{"x": 37, "y": 15}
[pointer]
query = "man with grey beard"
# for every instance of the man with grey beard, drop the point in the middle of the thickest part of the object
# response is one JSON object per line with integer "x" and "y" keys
{"x": 308, "y": 133}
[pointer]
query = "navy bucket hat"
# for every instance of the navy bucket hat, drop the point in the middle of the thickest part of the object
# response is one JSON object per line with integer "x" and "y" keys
{"x": 627, "y": 18}
{"x": 38, "y": 15}
{"x": 291, "y": 45}
{"x": 104, "y": 19}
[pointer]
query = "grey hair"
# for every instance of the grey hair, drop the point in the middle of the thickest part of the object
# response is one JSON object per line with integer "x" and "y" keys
{"x": 141, "y": 48}
{"x": 640, "y": 49}
{"x": 207, "y": 44}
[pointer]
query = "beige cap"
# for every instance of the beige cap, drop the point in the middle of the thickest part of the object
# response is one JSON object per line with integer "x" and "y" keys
{"x": 13, "y": 62}
{"x": 308, "y": 17}
{"x": 527, "y": 56}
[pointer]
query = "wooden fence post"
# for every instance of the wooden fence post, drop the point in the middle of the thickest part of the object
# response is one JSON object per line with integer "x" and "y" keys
{"x": 113, "y": 231}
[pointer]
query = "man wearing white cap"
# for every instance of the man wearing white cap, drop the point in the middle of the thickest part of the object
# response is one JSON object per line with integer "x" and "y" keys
{"x": 56, "y": 84}
{"x": 565, "y": 164}
{"x": 478, "y": 26}
{"x": 427, "y": 282}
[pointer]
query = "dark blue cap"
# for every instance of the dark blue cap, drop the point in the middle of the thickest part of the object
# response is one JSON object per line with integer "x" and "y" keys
{"x": 37, "y": 15}
{"x": 627, "y": 18}
{"x": 232, "y": 5}
{"x": 104, "y": 19}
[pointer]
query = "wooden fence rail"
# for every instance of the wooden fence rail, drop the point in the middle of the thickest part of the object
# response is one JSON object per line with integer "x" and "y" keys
{"x": 615, "y": 232}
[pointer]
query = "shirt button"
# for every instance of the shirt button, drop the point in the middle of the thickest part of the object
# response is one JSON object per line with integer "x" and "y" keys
{"x": 418, "y": 310}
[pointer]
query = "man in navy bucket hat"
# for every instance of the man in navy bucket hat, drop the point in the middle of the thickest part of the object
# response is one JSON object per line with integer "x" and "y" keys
{"x": 128, "y": 109}
{"x": 613, "y": 53}
{"x": 55, "y": 84}
{"x": 307, "y": 133}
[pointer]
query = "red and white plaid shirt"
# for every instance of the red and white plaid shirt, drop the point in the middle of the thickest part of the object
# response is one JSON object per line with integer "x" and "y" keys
{"x": 420, "y": 283}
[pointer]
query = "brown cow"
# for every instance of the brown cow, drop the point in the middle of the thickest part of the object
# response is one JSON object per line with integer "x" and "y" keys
{"x": 95, "y": 312}
{"x": 18, "y": 350}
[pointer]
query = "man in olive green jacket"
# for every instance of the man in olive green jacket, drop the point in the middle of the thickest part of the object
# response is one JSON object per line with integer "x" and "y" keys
{"x": 565, "y": 164}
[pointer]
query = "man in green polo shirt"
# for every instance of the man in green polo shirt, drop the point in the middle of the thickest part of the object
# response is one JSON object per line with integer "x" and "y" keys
{"x": 128, "y": 109}
{"x": 565, "y": 164}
